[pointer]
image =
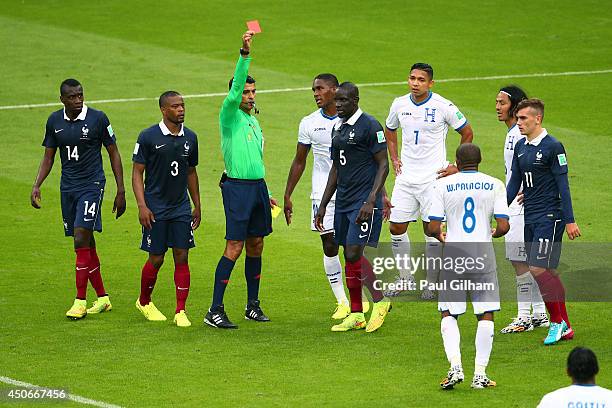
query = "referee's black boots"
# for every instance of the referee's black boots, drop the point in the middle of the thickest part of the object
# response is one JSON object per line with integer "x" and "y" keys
{"x": 254, "y": 312}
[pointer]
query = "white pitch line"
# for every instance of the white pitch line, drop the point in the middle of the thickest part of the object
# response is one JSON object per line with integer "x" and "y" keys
{"x": 370, "y": 84}
{"x": 71, "y": 397}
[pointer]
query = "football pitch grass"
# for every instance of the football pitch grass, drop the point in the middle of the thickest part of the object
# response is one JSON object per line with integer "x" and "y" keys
{"x": 129, "y": 49}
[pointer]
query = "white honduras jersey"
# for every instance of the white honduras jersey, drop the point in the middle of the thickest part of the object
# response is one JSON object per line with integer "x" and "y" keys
{"x": 315, "y": 131}
{"x": 513, "y": 136}
{"x": 424, "y": 128}
{"x": 578, "y": 396}
{"x": 468, "y": 199}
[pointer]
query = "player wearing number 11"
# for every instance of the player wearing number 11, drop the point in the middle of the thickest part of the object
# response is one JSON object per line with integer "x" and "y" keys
{"x": 167, "y": 153}
{"x": 79, "y": 133}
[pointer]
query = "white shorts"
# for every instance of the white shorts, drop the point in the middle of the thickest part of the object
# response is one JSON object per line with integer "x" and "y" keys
{"x": 482, "y": 300}
{"x": 410, "y": 201}
{"x": 515, "y": 241}
{"x": 328, "y": 220}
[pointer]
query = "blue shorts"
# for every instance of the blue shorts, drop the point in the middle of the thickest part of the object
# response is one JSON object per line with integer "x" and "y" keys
{"x": 247, "y": 209}
{"x": 347, "y": 232}
{"x": 81, "y": 209}
{"x": 166, "y": 234}
{"x": 543, "y": 243}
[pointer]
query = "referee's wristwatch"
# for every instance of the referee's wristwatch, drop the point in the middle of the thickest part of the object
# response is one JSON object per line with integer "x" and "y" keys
{"x": 244, "y": 52}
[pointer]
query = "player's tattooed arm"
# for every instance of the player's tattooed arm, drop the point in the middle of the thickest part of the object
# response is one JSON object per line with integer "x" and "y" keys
{"x": 145, "y": 215}
{"x": 117, "y": 167}
{"x": 366, "y": 210}
{"x": 295, "y": 173}
{"x": 193, "y": 185}
{"x": 330, "y": 189}
{"x": 44, "y": 169}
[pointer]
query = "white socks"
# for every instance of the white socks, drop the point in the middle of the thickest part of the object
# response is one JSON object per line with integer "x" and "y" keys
{"x": 524, "y": 287}
{"x": 433, "y": 249}
{"x": 484, "y": 344}
{"x": 400, "y": 245}
{"x": 333, "y": 270}
{"x": 528, "y": 296}
{"x": 451, "y": 339}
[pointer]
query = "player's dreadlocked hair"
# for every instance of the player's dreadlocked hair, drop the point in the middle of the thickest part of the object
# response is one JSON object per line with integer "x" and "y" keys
{"x": 516, "y": 94}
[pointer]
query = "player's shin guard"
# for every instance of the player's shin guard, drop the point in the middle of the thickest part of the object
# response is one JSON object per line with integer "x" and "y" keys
{"x": 353, "y": 283}
{"x": 484, "y": 345}
{"x": 222, "y": 275}
{"x": 368, "y": 277}
{"x": 553, "y": 293}
{"x": 94, "y": 274}
{"x": 83, "y": 259}
{"x": 451, "y": 339}
{"x": 400, "y": 246}
{"x": 182, "y": 280}
{"x": 252, "y": 273}
{"x": 148, "y": 277}
{"x": 333, "y": 270}
{"x": 433, "y": 250}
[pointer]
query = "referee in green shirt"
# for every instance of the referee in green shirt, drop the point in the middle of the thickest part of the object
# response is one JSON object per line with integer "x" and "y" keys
{"x": 245, "y": 195}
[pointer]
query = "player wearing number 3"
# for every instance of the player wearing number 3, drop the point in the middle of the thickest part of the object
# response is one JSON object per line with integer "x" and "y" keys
{"x": 79, "y": 133}
{"x": 167, "y": 153}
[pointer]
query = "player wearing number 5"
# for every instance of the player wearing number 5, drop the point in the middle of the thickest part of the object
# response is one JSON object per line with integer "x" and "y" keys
{"x": 540, "y": 165}
{"x": 357, "y": 176}
{"x": 167, "y": 153}
{"x": 79, "y": 132}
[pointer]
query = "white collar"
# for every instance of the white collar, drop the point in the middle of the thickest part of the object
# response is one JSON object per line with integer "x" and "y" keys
{"x": 81, "y": 115}
{"x": 351, "y": 121}
{"x": 538, "y": 139}
{"x": 167, "y": 131}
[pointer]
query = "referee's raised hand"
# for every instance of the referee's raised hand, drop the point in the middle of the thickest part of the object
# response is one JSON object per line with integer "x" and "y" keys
{"x": 246, "y": 41}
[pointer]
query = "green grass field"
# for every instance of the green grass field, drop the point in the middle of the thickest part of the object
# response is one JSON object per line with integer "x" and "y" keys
{"x": 133, "y": 49}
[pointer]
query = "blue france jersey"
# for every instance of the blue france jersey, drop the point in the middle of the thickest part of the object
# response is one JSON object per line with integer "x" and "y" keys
{"x": 79, "y": 143}
{"x": 538, "y": 163}
{"x": 167, "y": 159}
{"x": 354, "y": 143}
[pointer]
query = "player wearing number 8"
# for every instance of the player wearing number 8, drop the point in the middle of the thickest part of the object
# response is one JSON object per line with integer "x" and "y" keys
{"x": 167, "y": 153}
{"x": 540, "y": 165}
{"x": 79, "y": 132}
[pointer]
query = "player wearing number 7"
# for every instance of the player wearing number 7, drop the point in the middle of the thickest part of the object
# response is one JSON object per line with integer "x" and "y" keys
{"x": 540, "y": 165}
{"x": 167, "y": 153}
{"x": 79, "y": 132}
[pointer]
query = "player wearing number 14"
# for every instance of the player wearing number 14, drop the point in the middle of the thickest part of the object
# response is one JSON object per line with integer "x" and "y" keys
{"x": 167, "y": 153}
{"x": 79, "y": 133}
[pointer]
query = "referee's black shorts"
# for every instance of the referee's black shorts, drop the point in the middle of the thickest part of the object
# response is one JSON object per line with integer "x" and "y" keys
{"x": 247, "y": 209}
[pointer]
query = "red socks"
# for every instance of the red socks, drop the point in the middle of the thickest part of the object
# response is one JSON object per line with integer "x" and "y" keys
{"x": 94, "y": 273}
{"x": 368, "y": 277}
{"x": 83, "y": 260}
{"x": 147, "y": 282}
{"x": 553, "y": 294}
{"x": 353, "y": 283}
{"x": 181, "y": 281}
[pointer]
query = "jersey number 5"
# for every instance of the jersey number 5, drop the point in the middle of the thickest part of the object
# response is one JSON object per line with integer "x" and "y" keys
{"x": 342, "y": 158}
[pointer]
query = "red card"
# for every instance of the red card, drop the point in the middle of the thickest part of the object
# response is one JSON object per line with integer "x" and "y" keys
{"x": 254, "y": 26}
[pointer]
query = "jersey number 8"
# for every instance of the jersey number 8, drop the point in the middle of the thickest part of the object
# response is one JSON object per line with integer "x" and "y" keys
{"x": 468, "y": 206}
